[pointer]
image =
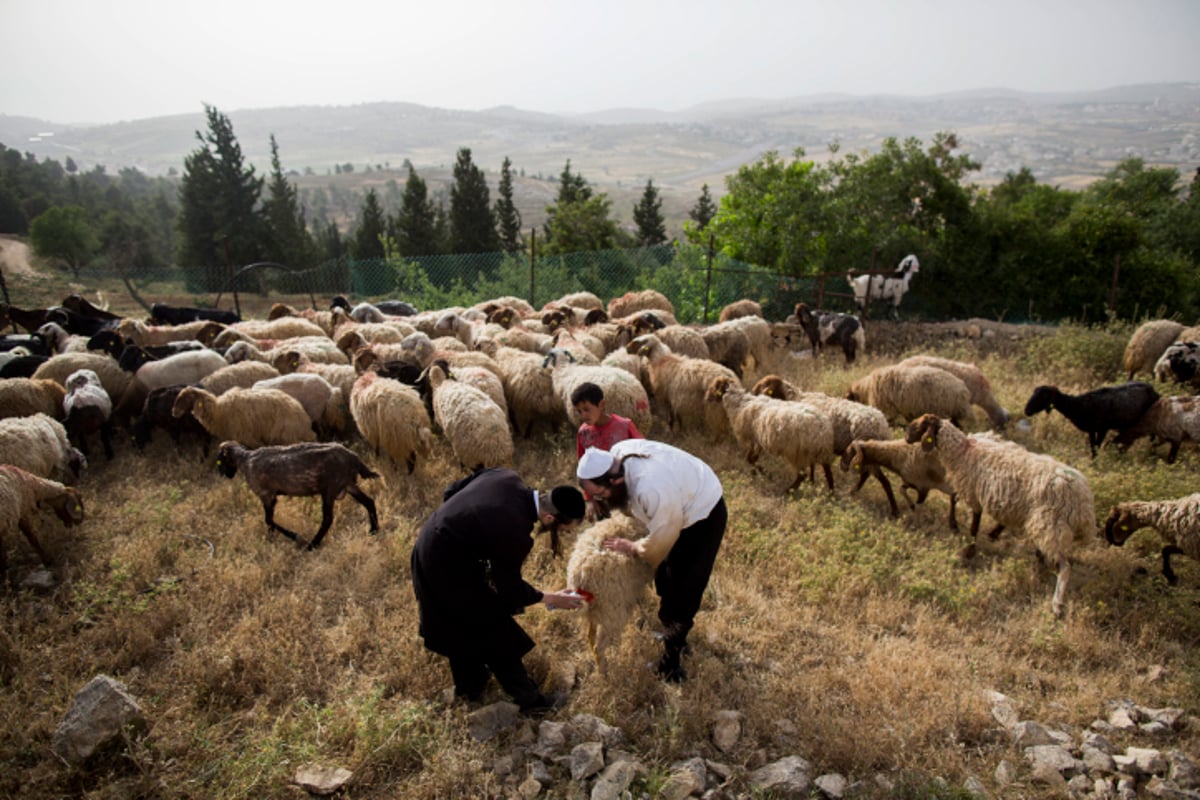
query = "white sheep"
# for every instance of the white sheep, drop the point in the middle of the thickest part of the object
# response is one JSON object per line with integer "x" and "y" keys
{"x": 851, "y": 420}
{"x": 324, "y": 404}
{"x": 758, "y": 337}
{"x": 22, "y": 397}
{"x": 586, "y": 300}
{"x": 151, "y": 335}
{"x": 679, "y": 383}
{"x": 740, "y": 308}
{"x": 613, "y": 582}
{"x": 586, "y": 349}
{"x": 1177, "y": 522}
{"x": 187, "y": 367}
{"x": 475, "y": 426}
{"x": 727, "y": 345}
{"x": 623, "y": 394}
{"x": 1147, "y": 344}
{"x": 906, "y": 393}
{"x": 278, "y": 329}
{"x": 976, "y": 382}
{"x": 483, "y": 379}
{"x": 254, "y": 417}
{"x": 798, "y": 433}
{"x": 22, "y": 494}
{"x": 241, "y": 375}
{"x": 391, "y": 418}
{"x": 88, "y": 408}
{"x": 114, "y": 379}
{"x": 1170, "y": 419}
{"x": 1050, "y": 500}
{"x": 645, "y": 300}
{"x": 918, "y": 470}
{"x": 39, "y": 444}
{"x": 528, "y": 387}
{"x": 62, "y": 342}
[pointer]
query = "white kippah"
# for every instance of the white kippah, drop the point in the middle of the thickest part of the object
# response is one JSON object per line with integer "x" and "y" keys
{"x": 594, "y": 464}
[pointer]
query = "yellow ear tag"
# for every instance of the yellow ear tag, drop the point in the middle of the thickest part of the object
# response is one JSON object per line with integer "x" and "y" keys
{"x": 1124, "y": 527}
{"x": 857, "y": 466}
{"x": 928, "y": 440}
{"x": 78, "y": 507}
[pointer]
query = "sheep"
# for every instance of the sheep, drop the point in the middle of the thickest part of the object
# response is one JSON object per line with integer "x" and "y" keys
{"x": 325, "y": 320}
{"x": 759, "y": 343}
{"x": 917, "y": 469}
{"x": 613, "y": 583}
{"x": 21, "y": 366}
{"x": 22, "y": 494}
{"x": 114, "y": 379}
{"x": 81, "y": 324}
{"x": 395, "y": 308}
{"x": 585, "y": 300}
{"x": 1177, "y": 522}
{"x": 157, "y": 413}
{"x": 255, "y": 417}
{"x": 631, "y": 302}
{"x": 163, "y": 314}
{"x": 1147, "y": 344}
{"x": 187, "y": 367}
{"x": 22, "y": 397}
{"x": 1170, "y": 419}
{"x": 241, "y": 375}
{"x": 1098, "y": 411}
{"x": 62, "y": 342}
{"x": 585, "y": 347}
{"x": 1052, "y": 501}
{"x": 340, "y": 376}
{"x": 800, "y": 434}
{"x": 976, "y": 382}
{"x": 300, "y": 470}
{"x": 475, "y": 426}
{"x": 679, "y": 383}
{"x": 727, "y": 346}
{"x": 884, "y": 287}
{"x": 517, "y": 304}
{"x": 623, "y": 394}
{"x": 324, "y": 404}
{"x": 908, "y": 392}
{"x": 39, "y": 444}
{"x": 282, "y": 328}
{"x": 1180, "y": 363}
{"x": 142, "y": 334}
{"x": 80, "y": 305}
{"x": 35, "y": 343}
{"x": 684, "y": 341}
{"x": 528, "y": 388}
{"x": 740, "y": 308}
{"x": 8, "y": 356}
{"x": 830, "y": 327}
{"x": 88, "y": 409}
{"x": 482, "y": 379}
{"x": 391, "y": 418}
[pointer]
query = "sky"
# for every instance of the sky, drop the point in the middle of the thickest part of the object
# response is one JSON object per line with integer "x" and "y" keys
{"x": 77, "y": 61}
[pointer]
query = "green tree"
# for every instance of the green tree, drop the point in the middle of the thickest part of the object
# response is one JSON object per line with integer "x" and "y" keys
{"x": 472, "y": 221}
{"x": 63, "y": 233}
{"x": 508, "y": 218}
{"x": 579, "y": 220}
{"x": 704, "y": 210}
{"x": 414, "y": 228}
{"x": 648, "y": 216}
{"x": 291, "y": 243}
{"x": 219, "y": 203}
{"x": 368, "y": 237}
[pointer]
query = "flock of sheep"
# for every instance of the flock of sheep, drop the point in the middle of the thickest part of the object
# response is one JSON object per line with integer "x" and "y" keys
{"x": 275, "y": 393}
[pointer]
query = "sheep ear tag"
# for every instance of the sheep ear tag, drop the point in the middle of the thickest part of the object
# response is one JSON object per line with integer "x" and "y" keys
{"x": 928, "y": 440}
{"x": 1124, "y": 527}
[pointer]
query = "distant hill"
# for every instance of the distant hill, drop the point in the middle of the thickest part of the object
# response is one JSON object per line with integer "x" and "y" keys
{"x": 1067, "y": 139}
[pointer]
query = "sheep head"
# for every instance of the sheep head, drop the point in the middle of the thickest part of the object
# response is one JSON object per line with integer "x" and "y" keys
{"x": 770, "y": 385}
{"x": 924, "y": 429}
{"x": 1120, "y": 525}
{"x": 287, "y": 362}
{"x": 554, "y": 319}
{"x": 280, "y": 310}
{"x": 644, "y": 345}
{"x": 108, "y": 341}
{"x": 717, "y": 389}
{"x": 227, "y": 458}
{"x": 596, "y": 315}
{"x": 1042, "y": 399}
{"x": 853, "y": 457}
{"x": 68, "y": 506}
{"x": 351, "y": 342}
{"x": 503, "y": 316}
{"x": 191, "y": 400}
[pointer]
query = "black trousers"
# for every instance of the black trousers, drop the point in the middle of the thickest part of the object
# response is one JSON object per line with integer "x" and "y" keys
{"x": 471, "y": 675}
{"x": 683, "y": 576}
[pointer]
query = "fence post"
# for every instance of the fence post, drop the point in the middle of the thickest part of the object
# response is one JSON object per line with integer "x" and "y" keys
{"x": 7, "y": 300}
{"x": 1112, "y": 293}
{"x": 532, "y": 264}
{"x": 237, "y": 305}
{"x": 708, "y": 277}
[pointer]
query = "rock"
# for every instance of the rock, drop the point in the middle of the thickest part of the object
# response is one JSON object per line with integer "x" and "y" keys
{"x": 1104, "y": 789}
{"x": 1080, "y": 786}
{"x": 1127, "y": 789}
{"x": 1049, "y": 775}
{"x": 1003, "y": 709}
{"x": 1157, "y": 787}
{"x": 503, "y": 766}
{"x": 1051, "y": 756}
{"x": 586, "y": 760}
{"x": 1123, "y": 715}
{"x": 682, "y": 782}
{"x": 723, "y": 771}
{"x": 39, "y": 580}
{"x": 551, "y": 739}
{"x": 787, "y": 777}
{"x": 530, "y": 788}
{"x": 321, "y": 780}
{"x": 1099, "y": 741}
{"x": 1184, "y": 772}
{"x": 833, "y": 785}
{"x": 540, "y": 773}
{"x": 884, "y": 782}
{"x": 1154, "y": 728}
{"x": 615, "y": 780}
{"x": 1031, "y": 734}
{"x": 975, "y": 788}
{"x": 487, "y": 722}
{"x": 727, "y": 729}
{"x": 1098, "y": 761}
{"x": 98, "y": 713}
{"x": 1006, "y": 773}
{"x": 525, "y": 734}
{"x": 1147, "y": 761}
{"x": 589, "y": 728}
{"x": 1167, "y": 717}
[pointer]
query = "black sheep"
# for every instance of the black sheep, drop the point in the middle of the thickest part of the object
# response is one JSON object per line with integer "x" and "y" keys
{"x": 300, "y": 470}
{"x": 79, "y": 324}
{"x": 1109, "y": 408}
{"x": 22, "y": 366}
{"x": 35, "y": 343}
{"x": 163, "y": 314}
{"x": 831, "y": 327}
{"x": 156, "y": 413}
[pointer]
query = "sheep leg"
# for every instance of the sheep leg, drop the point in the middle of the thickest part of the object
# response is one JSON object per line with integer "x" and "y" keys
{"x": 1168, "y": 573}
{"x": 953, "y": 514}
{"x": 269, "y": 511}
{"x": 1174, "y": 451}
{"x": 326, "y": 521}
{"x": 904, "y": 489}
{"x": 887, "y": 487}
{"x": 366, "y": 502}
{"x": 828, "y": 476}
{"x": 106, "y": 440}
{"x": 994, "y": 533}
{"x": 37, "y": 547}
{"x": 1060, "y": 586}
{"x": 411, "y": 461}
{"x": 795, "y": 484}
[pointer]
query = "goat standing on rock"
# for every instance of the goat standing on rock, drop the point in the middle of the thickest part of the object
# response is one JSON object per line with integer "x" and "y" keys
{"x": 300, "y": 470}
{"x": 884, "y": 287}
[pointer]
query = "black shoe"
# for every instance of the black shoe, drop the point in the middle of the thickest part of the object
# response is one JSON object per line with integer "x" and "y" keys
{"x": 670, "y": 670}
{"x": 544, "y": 704}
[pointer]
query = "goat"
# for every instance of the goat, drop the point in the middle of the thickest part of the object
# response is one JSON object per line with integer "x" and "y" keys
{"x": 1096, "y": 412}
{"x": 831, "y": 327}
{"x": 884, "y": 287}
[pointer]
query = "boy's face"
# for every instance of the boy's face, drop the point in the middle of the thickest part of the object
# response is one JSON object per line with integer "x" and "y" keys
{"x": 589, "y": 412}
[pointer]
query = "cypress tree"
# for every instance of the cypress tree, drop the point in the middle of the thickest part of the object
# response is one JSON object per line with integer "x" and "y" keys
{"x": 508, "y": 218}
{"x": 291, "y": 242}
{"x": 368, "y": 238}
{"x": 414, "y": 227}
{"x": 647, "y": 214}
{"x": 472, "y": 222}
{"x": 704, "y": 210}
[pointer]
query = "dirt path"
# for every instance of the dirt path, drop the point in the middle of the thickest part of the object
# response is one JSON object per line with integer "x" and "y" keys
{"x": 14, "y": 257}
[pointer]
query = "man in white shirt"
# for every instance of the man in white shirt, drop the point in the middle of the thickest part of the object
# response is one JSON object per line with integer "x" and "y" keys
{"x": 679, "y": 498}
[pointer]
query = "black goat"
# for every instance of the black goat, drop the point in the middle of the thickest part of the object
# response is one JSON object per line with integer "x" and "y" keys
{"x": 156, "y": 413}
{"x": 111, "y": 342}
{"x": 81, "y": 306}
{"x": 300, "y": 470}
{"x": 1109, "y": 408}
{"x": 163, "y": 314}
{"x": 79, "y": 324}
{"x": 831, "y": 327}
{"x": 28, "y": 318}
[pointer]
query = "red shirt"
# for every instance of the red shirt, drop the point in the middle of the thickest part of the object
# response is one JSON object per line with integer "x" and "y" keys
{"x": 618, "y": 429}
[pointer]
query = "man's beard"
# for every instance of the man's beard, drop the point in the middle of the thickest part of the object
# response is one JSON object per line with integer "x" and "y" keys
{"x": 618, "y": 496}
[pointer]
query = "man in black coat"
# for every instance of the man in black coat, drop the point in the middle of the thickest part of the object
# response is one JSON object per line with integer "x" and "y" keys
{"x": 466, "y": 571}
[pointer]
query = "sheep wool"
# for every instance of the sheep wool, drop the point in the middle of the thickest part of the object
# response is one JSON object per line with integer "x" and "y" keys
{"x": 975, "y": 381}
{"x": 645, "y": 300}
{"x": 391, "y": 418}
{"x": 1176, "y": 521}
{"x": 623, "y": 394}
{"x": 241, "y": 375}
{"x": 528, "y": 387}
{"x": 23, "y": 397}
{"x": 851, "y": 420}
{"x": 740, "y": 308}
{"x": 21, "y": 495}
{"x": 906, "y": 393}
{"x": 918, "y": 470}
{"x": 1170, "y": 419}
{"x": 476, "y": 428}
{"x": 1147, "y": 344}
{"x": 39, "y": 445}
{"x": 679, "y": 383}
{"x": 615, "y": 581}
{"x": 254, "y": 417}
{"x": 114, "y": 379}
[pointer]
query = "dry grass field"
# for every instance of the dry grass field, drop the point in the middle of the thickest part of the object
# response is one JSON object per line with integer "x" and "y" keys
{"x": 862, "y": 643}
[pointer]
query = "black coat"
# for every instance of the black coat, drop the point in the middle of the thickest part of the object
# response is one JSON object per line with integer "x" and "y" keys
{"x": 466, "y": 568}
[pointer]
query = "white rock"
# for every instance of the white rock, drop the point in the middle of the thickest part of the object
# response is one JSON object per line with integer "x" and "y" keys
{"x": 485, "y": 723}
{"x": 615, "y": 780}
{"x": 1166, "y": 716}
{"x": 727, "y": 730}
{"x": 1098, "y": 741}
{"x": 1002, "y": 709}
{"x": 833, "y": 785}
{"x": 1006, "y": 773}
{"x": 682, "y": 782}
{"x": 588, "y": 728}
{"x": 788, "y": 777}
{"x": 1149, "y": 762}
{"x": 551, "y": 739}
{"x": 975, "y": 787}
{"x": 1127, "y": 789}
{"x": 98, "y": 713}
{"x": 586, "y": 760}
{"x": 1031, "y": 734}
{"x": 1051, "y": 756}
{"x": 1079, "y": 786}
{"x": 1184, "y": 771}
{"x": 321, "y": 780}
{"x": 1104, "y": 789}
{"x": 1098, "y": 761}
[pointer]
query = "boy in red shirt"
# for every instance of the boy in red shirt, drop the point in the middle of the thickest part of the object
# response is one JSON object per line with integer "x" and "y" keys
{"x": 598, "y": 429}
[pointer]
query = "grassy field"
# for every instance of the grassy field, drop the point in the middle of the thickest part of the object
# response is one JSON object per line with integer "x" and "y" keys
{"x": 861, "y": 643}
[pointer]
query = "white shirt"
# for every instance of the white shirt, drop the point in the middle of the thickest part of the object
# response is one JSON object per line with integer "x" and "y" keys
{"x": 669, "y": 490}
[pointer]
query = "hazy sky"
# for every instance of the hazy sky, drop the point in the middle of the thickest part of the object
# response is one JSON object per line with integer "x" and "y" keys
{"x": 89, "y": 61}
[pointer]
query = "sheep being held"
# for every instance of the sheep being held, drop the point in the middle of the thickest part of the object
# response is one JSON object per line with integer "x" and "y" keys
{"x": 329, "y": 470}
{"x": 1177, "y": 522}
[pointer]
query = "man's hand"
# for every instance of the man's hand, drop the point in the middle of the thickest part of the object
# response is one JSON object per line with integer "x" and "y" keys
{"x": 621, "y": 546}
{"x": 562, "y": 600}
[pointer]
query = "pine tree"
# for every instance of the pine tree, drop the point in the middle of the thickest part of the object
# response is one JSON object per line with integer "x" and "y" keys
{"x": 368, "y": 238}
{"x": 647, "y": 214}
{"x": 508, "y": 218}
{"x": 472, "y": 221}
{"x": 414, "y": 227}
{"x": 704, "y": 210}
{"x": 291, "y": 242}
{"x": 219, "y": 199}
{"x": 572, "y": 187}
